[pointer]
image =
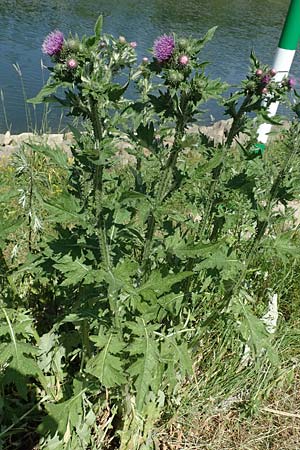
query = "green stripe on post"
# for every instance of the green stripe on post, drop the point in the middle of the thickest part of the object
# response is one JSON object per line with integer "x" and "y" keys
{"x": 291, "y": 31}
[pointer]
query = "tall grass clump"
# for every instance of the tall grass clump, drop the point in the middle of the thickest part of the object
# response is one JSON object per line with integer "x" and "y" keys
{"x": 144, "y": 268}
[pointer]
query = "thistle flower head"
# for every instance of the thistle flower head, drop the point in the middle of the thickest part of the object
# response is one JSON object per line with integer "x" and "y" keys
{"x": 259, "y": 72}
{"x": 183, "y": 60}
{"x": 163, "y": 47}
{"x": 133, "y": 44}
{"x": 72, "y": 63}
{"x": 266, "y": 79}
{"x": 53, "y": 43}
{"x": 291, "y": 83}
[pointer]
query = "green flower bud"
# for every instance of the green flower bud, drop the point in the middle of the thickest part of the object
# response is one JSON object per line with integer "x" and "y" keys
{"x": 174, "y": 76}
{"x": 251, "y": 85}
{"x": 72, "y": 45}
{"x": 183, "y": 43}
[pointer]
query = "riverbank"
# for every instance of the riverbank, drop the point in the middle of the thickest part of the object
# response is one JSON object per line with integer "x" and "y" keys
{"x": 9, "y": 143}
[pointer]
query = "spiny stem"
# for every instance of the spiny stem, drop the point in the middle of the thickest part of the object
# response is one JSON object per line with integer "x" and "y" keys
{"x": 98, "y": 184}
{"x": 206, "y": 221}
{"x": 86, "y": 346}
{"x": 262, "y": 226}
{"x": 234, "y": 129}
{"x": 160, "y": 196}
{"x": 30, "y": 206}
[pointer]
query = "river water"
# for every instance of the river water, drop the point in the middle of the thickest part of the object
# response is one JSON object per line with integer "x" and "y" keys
{"x": 242, "y": 25}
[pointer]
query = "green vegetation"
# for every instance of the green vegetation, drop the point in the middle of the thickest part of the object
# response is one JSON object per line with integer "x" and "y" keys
{"x": 149, "y": 283}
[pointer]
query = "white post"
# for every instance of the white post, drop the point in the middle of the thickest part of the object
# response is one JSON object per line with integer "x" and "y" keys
{"x": 283, "y": 59}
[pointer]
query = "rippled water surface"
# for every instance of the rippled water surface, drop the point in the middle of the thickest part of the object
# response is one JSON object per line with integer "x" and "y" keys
{"x": 243, "y": 25}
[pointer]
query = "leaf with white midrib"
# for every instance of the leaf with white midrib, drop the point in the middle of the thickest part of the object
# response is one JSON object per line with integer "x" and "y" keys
{"x": 107, "y": 365}
{"x": 145, "y": 366}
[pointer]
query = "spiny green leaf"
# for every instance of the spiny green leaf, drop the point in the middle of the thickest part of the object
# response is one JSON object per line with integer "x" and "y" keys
{"x": 145, "y": 368}
{"x": 160, "y": 284}
{"x": 65, "y": 209}
{"x": 200, "y": 43}
{"x": 60, "y": 414}
{"x": 47, "y": 90}
{"x": 191, "y": 251}
{"x": 7, "y": 227}
{"x": 74, "y": 270}
{"x": 56, "y": 155}
{"x": 107, "y": 365}
{"x": 98, "y": 26}
{"x": 254, "y": 333}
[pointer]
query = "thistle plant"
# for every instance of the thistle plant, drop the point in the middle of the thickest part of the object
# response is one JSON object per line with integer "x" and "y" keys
{"x": 150, "y": 265}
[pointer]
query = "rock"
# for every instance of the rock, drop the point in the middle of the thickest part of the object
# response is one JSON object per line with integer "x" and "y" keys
{"x": 23, "y": 138}
{"x": 125, "y": 158}
{"x": 53, "y": 140}
{"x": 8, "y": 150}
{"x": 5, "y": 139}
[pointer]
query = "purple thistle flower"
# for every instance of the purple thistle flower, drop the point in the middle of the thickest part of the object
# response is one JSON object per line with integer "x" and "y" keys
{"x": 266, "y": 79}
{"x": 183, "y": 60}
{"x": 53, "y": 43}
{"x": 291, "y": 83}
{"x": 72, "y": 63}
{"x": 163, "y": 47}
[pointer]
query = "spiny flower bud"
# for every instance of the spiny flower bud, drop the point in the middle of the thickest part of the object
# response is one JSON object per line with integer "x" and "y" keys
{"x": 102, "y": 44}
{"x": 272, "y": 72}
{"x": 72, "y": 44}
{"x": 183, "y": 60}
{"x": 264, "y": 90}
{"x": 174, "y": 76}
{"x": 145, "y": 60}
{"x": 122, "y": 40}
{"x": 72, "y": 63}
{"x": 259, "y": 72}
{"x": 133, "y": 44}
{"x": 251, "y": 85}
{"x": 183, "y": 43}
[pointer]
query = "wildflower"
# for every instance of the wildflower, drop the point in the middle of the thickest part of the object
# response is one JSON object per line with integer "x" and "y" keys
{"x": 183, "y": 60}
{"x": 264, "y": 90}
{"x": 272, "y": 72}
{"x": 53, "y": 43}
{"x": 122, "y": 40}
{"x": 259, "y": 72}
{"x": 163, "y": 47}
{"x": 133, "y": 44}
{"x": 266, "y": 79}
{"x": 72, "y": 63}
{"x": 291, "y": 83}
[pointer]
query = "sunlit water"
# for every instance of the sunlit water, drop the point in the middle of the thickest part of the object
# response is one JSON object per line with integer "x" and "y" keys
{"x": 243, "y": 25}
